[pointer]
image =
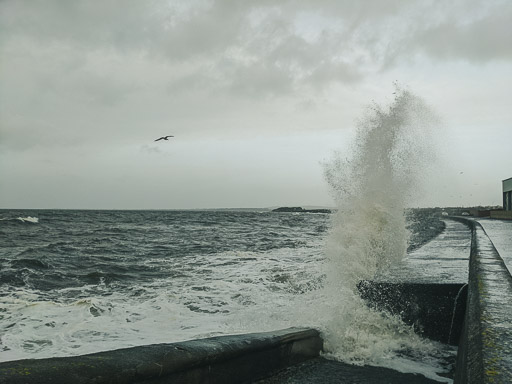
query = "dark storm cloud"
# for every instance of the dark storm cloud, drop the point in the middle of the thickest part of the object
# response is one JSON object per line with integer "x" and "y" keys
{"x": 259, "y": 48}
{"x": 226, "y": 37}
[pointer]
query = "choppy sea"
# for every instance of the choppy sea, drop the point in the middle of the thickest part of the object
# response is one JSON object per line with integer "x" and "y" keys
{"x": 76, "y": 282}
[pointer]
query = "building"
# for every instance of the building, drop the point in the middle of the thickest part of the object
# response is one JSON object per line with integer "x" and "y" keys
{"x": 507, "y": 194}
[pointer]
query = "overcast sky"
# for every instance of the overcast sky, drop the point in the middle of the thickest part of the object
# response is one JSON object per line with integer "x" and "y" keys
{"x": 258, "y": 94}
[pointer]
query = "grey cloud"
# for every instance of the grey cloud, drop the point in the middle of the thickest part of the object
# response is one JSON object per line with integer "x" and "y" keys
{"x": 205, "y": 32}
{"x": 249, "y": 48}
{"x": 188, "y": 83}
{"x": 324, "y": 72}
{"x": 481, "y": 40}
{"x": 258, "y": 80}
{"x": 150, "y": 149}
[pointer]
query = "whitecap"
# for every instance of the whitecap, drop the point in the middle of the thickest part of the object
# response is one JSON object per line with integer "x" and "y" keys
{"x": 28, "y": 219}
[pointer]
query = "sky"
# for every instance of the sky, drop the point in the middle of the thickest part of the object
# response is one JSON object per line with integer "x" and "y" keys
{"x": 259, "y": 96}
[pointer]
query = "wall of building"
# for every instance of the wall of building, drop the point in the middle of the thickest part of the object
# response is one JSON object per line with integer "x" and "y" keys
{"x": 501, "y": 215}
{"x": 507, "y": 194}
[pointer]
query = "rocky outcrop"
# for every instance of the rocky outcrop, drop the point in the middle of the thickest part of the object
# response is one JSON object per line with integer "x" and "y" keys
{"x": 300, "y": 210}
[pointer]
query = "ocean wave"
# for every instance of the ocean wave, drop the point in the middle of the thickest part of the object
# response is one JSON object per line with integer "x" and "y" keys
{"x": 75, "y": 285}
{"x": 27, "y": 219}
{"x": 30, "y": 263}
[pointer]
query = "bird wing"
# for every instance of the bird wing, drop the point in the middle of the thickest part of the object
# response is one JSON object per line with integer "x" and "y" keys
{"x": 164, "y": 137}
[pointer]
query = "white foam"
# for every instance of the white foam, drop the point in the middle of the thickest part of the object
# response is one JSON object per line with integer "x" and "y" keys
{"x": 28, "y": 219}
{"x": 232, "y": 292}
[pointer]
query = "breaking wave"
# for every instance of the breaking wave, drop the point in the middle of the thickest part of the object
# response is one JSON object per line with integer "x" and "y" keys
{"x": 28, "y": 219}
{"x": 372, "y": 187}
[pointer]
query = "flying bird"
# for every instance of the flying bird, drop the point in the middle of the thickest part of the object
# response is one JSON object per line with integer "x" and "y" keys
{"x": 164, "y": 137}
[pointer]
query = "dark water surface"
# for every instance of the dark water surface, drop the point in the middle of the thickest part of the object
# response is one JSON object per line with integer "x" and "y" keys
{"x": 67, "y": 249}
{"x": 74, "y": 282}
{"x": 76, "y": 248}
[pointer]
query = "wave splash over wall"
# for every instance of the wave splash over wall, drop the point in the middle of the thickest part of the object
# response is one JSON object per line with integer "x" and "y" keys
{"x": 372, "y": 188}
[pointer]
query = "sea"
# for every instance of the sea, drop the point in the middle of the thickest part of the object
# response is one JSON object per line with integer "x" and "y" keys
{"x": 75, "y": 282}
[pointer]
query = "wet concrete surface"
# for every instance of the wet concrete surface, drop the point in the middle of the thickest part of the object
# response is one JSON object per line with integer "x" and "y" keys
{"x": 323, "y": 371}
{"x": 500, "y": 233}
{"x": 435, "y": 311}
{"x": 443, "y": 260}
{"x": 428, "y": 288}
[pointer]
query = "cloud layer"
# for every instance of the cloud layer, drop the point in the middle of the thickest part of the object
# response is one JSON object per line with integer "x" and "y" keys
{"x": 101, "y": 77}
{"x": 256, "y": 48}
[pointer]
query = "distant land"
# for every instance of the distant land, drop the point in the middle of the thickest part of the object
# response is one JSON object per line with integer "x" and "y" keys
{"x": 301, "y": 210}
{"x": 480, "y": 211}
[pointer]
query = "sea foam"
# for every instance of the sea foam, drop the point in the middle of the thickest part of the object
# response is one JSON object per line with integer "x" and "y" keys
{"x": 28, "y": 219}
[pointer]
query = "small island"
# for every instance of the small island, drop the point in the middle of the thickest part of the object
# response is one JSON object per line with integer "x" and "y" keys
{"x": 300, "y": 210}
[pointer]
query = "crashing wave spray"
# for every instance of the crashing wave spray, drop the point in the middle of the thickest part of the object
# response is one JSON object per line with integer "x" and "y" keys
{"x": 372, "y": 189}
{"x": 369, "y": 233}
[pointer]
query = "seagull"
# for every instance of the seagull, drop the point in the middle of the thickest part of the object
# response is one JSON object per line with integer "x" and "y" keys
{"x": 164, "y": 137}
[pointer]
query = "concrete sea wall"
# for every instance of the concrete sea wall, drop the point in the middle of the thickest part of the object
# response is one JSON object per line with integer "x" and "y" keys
{"x": 428, "y": 288}
{"x": 436, "y": 311}
{"x": 223, "y": 360}
{"x": 485, "y": 348}
{"x": 472, "y": 311}
{"x": 502, "y": 215}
